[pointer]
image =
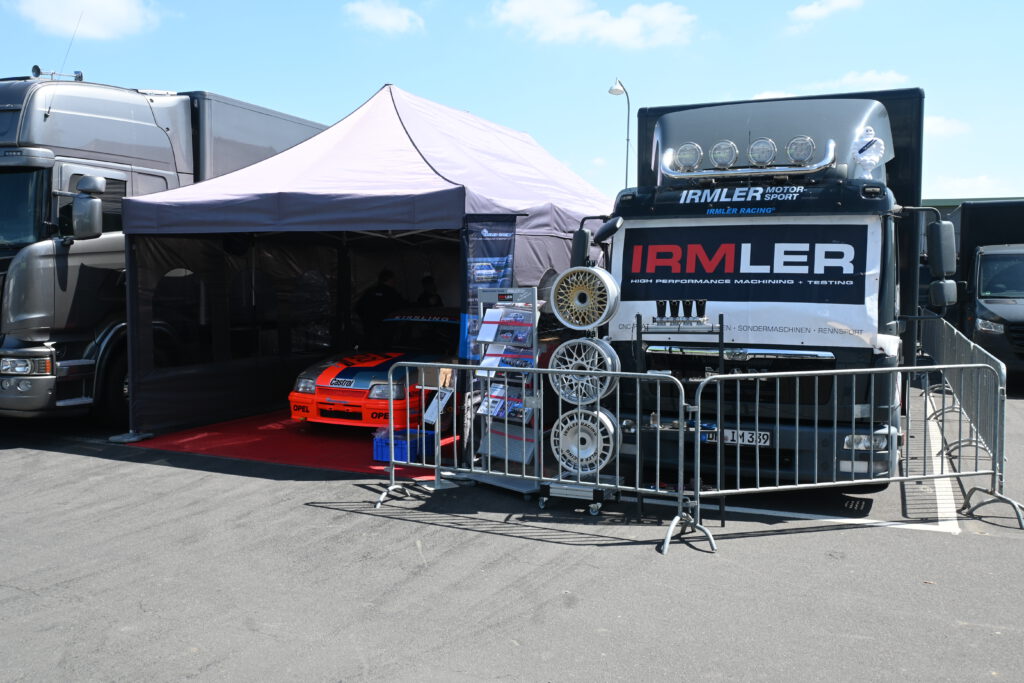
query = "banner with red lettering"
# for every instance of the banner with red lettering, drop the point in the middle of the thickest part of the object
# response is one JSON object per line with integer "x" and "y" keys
{"x": 790, "y": 281}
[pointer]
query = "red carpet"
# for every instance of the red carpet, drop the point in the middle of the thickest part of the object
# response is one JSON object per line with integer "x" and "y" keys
{"x": 276, "y": 438}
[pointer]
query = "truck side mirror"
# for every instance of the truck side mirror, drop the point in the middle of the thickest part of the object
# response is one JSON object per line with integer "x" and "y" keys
{"x": 941, "y": 249}
{"x": 942, "y": 293}
{"x": 580, "y": 248}
{"x": 86, "y": 209}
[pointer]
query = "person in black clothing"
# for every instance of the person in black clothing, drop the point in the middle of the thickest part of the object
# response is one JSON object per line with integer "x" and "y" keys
{"x": 376, "y": 304}
{"x": 429, "y": 297}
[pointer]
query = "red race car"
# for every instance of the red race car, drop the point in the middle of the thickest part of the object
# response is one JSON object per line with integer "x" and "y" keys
{"x": 353, "y": 389}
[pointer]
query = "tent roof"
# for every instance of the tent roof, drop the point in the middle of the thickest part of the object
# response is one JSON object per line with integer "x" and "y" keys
{"x": 398, "y": 162}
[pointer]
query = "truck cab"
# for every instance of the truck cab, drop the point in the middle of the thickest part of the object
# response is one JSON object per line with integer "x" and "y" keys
{"x": 62, "y": 295}
{"x": 777, "y": 224}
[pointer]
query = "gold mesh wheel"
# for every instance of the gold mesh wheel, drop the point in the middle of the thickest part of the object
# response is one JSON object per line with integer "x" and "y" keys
{"x": 583, "y": 298}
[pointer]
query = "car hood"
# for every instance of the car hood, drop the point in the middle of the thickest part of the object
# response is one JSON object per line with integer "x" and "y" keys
{"x": 360, "y": 370}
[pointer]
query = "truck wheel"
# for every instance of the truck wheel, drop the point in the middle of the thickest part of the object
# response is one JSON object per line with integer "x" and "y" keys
{"x": 113, "y": 392}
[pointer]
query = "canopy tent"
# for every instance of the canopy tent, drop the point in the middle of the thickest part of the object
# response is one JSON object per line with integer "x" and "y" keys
{"x": 399, "y": 166}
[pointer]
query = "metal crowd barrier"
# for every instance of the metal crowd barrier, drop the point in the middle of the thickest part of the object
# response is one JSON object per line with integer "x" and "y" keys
{"x": 960, "y": 392}
{"x": 599, "y": 436}
{"x": 576, "y": 434}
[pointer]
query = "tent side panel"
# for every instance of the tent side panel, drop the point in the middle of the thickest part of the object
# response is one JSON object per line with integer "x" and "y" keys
{"x": 221, "y": 325}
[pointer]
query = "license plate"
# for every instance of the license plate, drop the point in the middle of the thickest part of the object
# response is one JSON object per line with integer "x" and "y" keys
{"x": 743, "y": 437}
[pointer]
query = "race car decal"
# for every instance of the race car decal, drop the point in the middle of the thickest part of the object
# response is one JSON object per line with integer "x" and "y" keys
{"x": 355, "y": 372}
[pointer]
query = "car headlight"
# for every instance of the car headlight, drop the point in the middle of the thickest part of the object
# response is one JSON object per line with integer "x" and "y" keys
{"x": 305, "y": 385}
{"x": 392, "y": 390}
{"x": 983, "y": 325}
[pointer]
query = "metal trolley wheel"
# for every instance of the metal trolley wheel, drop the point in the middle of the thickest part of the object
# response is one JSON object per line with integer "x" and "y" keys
{"x": 584, "y": 441}
{"x": 583, "y": 298}
{"x": 594, "y": 355}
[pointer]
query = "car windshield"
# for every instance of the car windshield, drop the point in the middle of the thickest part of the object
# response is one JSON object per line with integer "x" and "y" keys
{"x": 430, "y": 334}
{"x": 1002, "y": 275}
{"x": 22, "y": 195}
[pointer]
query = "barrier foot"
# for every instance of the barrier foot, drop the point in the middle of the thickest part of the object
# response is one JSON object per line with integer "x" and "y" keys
{"x": 387, "y": 492}
{"x": 689, "y": 523}
{"x": 996, "y": 498}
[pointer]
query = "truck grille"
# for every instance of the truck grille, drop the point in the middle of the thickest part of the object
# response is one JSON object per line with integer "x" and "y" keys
{"x": 785, "y": 391}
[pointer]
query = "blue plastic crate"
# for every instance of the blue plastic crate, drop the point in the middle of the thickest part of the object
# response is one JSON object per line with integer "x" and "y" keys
{"x": 407, "y": 445}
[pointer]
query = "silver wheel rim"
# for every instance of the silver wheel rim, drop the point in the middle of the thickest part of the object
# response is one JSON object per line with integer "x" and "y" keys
{"x": 593, "y": 355}
{"x": 584, "y": 441}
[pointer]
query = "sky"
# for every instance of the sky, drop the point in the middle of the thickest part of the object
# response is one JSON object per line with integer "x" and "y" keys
{"x": 544, "y": 67}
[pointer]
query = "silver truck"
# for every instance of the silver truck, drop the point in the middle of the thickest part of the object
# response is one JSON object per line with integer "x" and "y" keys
{"x": 69, "y": 152}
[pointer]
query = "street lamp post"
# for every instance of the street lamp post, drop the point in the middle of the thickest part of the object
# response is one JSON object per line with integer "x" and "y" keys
{"x": 619, "y": 89}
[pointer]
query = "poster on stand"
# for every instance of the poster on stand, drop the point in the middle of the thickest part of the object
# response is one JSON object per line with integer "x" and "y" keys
{"x": 488, "y": 246}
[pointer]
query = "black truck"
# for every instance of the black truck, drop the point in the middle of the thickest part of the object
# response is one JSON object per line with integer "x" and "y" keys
{"x": 990, "y": 276}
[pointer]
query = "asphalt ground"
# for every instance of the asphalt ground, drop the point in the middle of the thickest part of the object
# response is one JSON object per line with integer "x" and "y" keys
{"x": 120, "y": 563}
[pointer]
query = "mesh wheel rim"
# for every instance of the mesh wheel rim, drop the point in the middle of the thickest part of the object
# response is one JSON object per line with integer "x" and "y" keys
{"x": 583, "y": 298}
{"x": 584, "y": 354}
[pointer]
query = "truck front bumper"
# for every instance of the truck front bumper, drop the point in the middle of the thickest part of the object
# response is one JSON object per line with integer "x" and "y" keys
{"x": 805, "y": 454}
{"x": 48, "y": 388}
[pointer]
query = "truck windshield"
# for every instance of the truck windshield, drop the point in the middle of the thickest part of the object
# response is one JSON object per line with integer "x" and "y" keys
{"x": 22, "y": 196}
{"x": 1002, "y": 275}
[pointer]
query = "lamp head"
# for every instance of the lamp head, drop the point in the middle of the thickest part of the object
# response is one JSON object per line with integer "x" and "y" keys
{"x": 617, "y": 88}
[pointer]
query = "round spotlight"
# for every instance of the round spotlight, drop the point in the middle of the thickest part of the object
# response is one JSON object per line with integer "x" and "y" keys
{"x": 800, "y": 149}
{"x": 724, "y": 153}
{"x": 688, "y": 156}
{"x": 762, "y": 152}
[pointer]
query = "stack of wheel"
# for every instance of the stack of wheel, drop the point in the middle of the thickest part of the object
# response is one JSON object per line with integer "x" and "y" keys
{"x": 585, "y": 437}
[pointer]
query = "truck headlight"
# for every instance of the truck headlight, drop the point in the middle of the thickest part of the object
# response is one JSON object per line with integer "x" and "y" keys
{"x": 305, "y": 385}
{"x": 392, "y": 390}
{"x": 866, "y": 442}
{"x": 983, "y": 325}
{"x": 25, "y": 366}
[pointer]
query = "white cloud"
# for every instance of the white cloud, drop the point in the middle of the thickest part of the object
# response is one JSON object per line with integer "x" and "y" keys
{"x": 981, "y": 186}
{"x": 864, "y": 80}
{"x": 944, "y": 127}
{"x": 850, "y": 82}
{"x": 384, "y": 16}
{"x": 572, "y": 21}
{"x": 96, "y": 19}
{"x": 599, "y": 162}
{"x": 805, "y": 16}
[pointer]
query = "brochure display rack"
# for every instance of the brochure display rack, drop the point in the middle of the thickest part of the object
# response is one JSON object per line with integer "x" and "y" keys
{"x": 510, "y": 424}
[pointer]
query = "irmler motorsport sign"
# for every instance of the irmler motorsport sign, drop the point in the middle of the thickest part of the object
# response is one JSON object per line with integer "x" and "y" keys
{"x": 795, "y": 263}
{"x": 784, "y": 281}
